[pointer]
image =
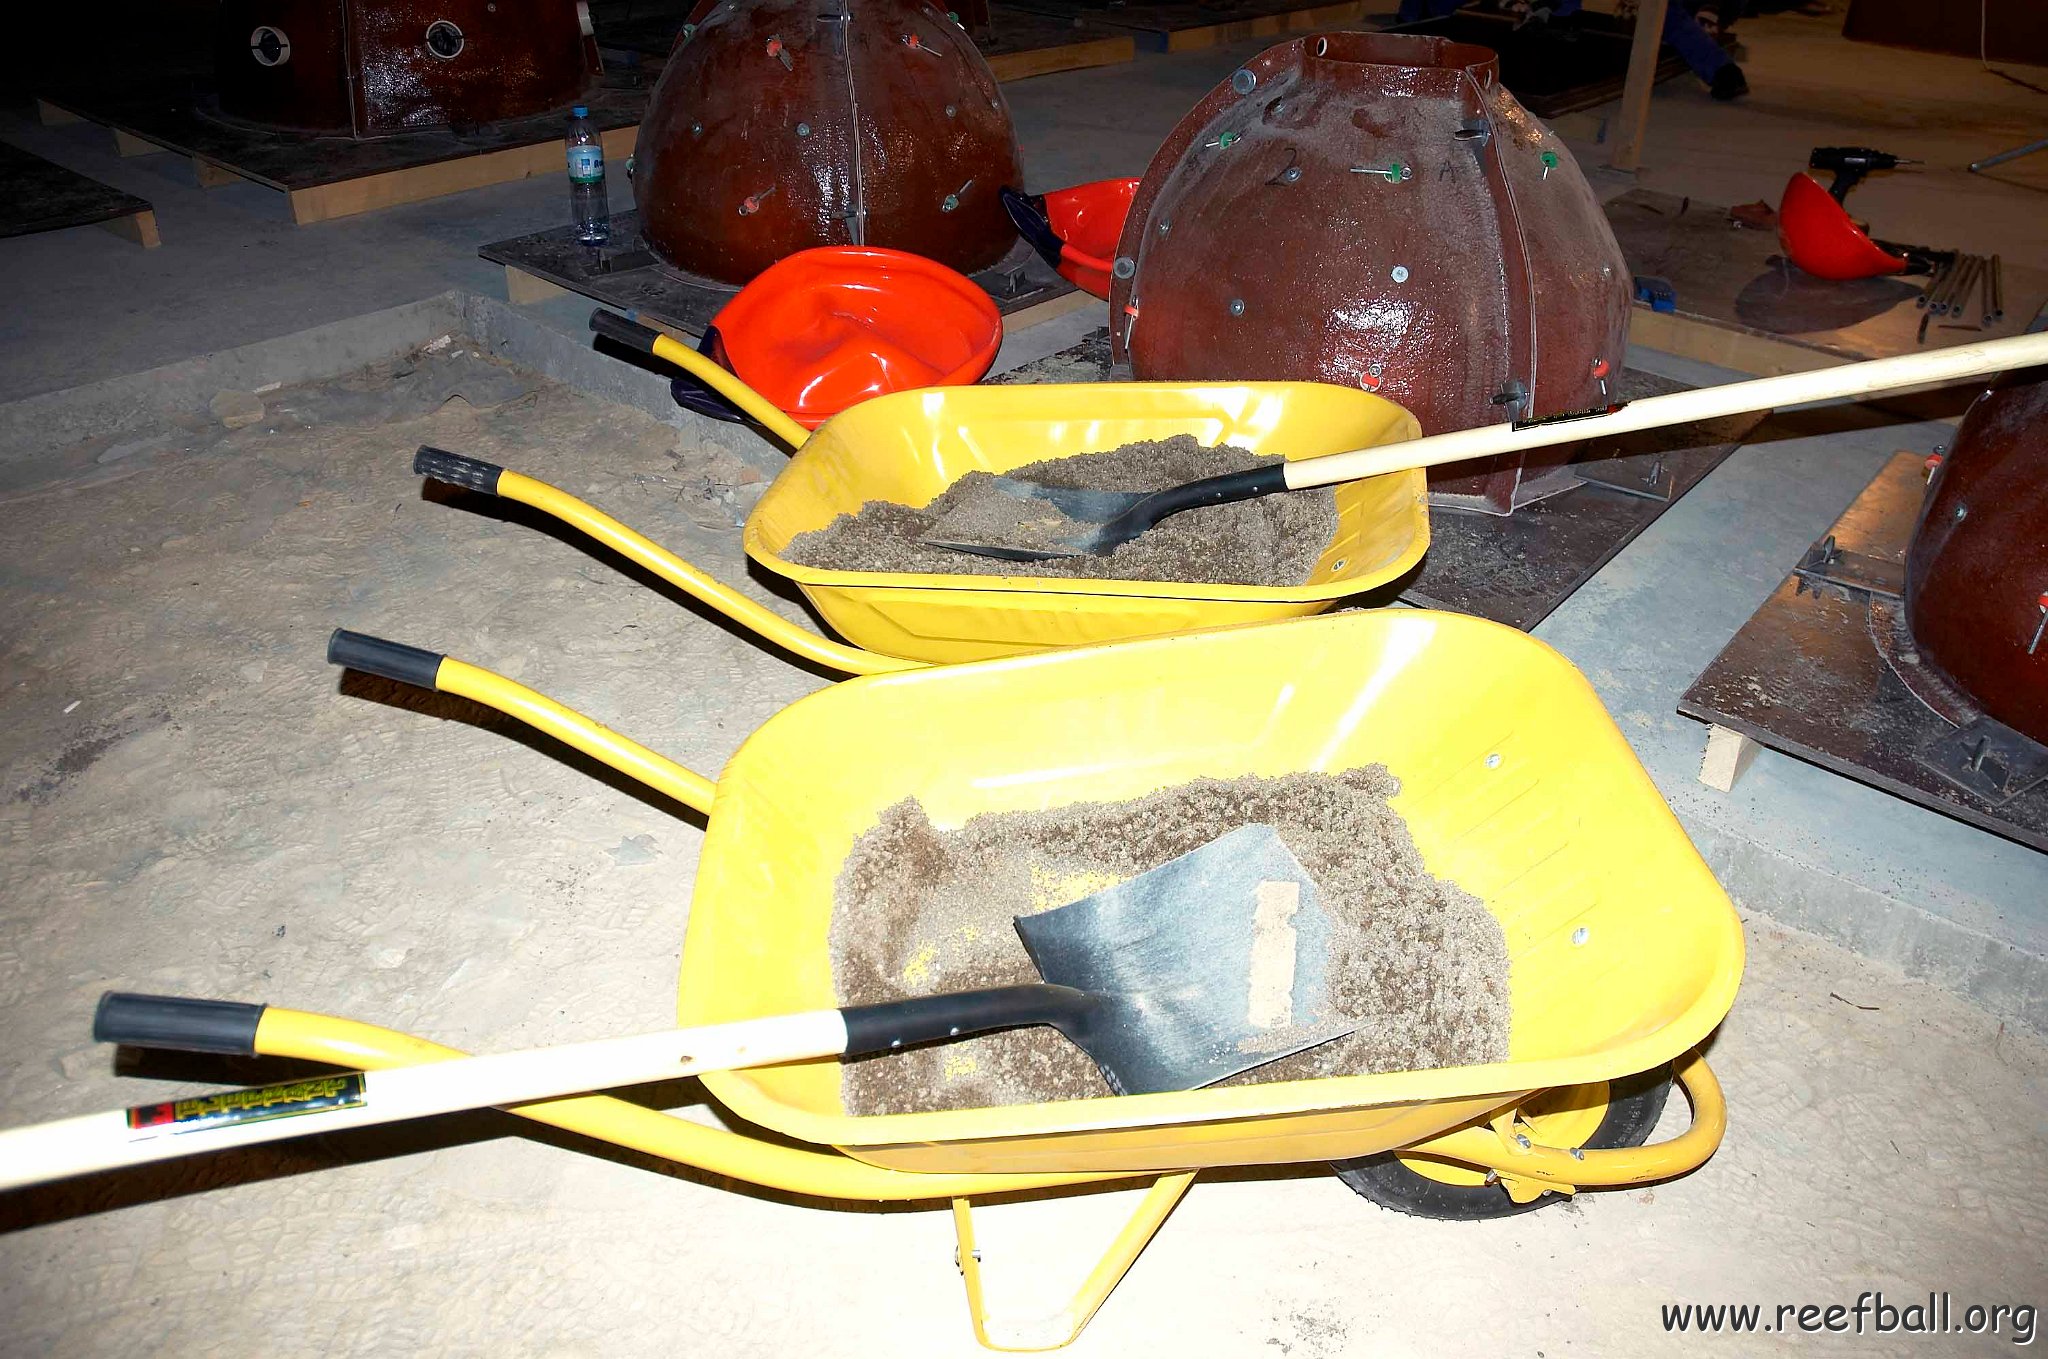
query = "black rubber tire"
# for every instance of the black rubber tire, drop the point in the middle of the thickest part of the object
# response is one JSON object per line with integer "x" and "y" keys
{"x": 1634, "y": 1103}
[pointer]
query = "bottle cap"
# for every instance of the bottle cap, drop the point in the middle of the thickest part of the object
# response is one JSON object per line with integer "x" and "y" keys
{"x": 581, "y": 111}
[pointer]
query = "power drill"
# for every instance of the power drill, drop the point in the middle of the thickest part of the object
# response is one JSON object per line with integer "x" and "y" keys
{"x": 1851, "y": 164}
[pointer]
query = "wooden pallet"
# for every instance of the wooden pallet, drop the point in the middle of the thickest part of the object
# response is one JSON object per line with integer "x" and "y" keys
{"x": 328, "y": 177}
{"x": 1167, "y": 27}
{"x": 625, "y": 275}
{"x": 1552, "y": 69}
{"x": 1742, "y": 305}
{"x": 41, "y": 196}
{"x": 1026, "y": 43}
{"x": 1019, "y": 43}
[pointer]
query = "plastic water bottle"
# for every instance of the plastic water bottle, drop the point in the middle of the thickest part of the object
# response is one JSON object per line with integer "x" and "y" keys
{"x": 587, "y": 203}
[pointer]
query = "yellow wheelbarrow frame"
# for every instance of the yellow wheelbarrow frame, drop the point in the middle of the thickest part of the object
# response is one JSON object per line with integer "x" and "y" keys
{"x": 907, "y": 447}
{"x": 1624, "y": 951}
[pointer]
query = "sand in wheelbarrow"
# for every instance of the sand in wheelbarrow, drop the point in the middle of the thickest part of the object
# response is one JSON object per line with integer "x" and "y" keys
{"x": 1274, "y": 540}
{"x": 1420, "y": 963}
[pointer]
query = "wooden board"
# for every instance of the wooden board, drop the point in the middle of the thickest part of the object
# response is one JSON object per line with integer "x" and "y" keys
{"x": 328, "y": 177}
{"x": 37, "y": 195}
{"x": 1019, "y": 43}
{"x": 1805, "y": 676}
{"x": 1195, "y": 24}
{"x": 1516, "y": 568}
{"x": 1742, "y": 305}
{"x": 626, "y": 276}
{"x": 1552, "y": 68}
{"x": 1023, "y": 43}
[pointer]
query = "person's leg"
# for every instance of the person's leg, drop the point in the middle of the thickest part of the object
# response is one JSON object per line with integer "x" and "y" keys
{"x": 1414, "y": 11}
{"x": 1702, "y": 53}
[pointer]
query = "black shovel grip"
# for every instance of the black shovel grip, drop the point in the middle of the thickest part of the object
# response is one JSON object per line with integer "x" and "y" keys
{"x": 392, "y": 660}
{"x": 617, "y": 328}
{"x": 180, "y": 1023}
{"x": 472, "y": 474}
{"x": 1223, "y": 490}
{"x": 924, "y": 1019}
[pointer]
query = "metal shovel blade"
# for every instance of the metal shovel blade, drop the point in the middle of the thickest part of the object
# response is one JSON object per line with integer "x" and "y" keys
{"x": 1051, "y": 523}
{"x": 1208, "y": 965}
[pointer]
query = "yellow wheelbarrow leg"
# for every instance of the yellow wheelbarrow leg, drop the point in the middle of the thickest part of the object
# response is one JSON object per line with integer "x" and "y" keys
{"x": 475, "y": 474}
{"x": 1565, "y": 1169}
{"x": 1056, "y": 1329}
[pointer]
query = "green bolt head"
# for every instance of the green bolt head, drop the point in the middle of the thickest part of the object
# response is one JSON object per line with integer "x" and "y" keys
{"x": 952, "y": 202}
{"x": 1549, "y": 160}
{"x": 1226, "y": 139}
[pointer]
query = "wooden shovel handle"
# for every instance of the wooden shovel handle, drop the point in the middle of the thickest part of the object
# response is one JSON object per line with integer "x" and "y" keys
{"x": 1932, "y": 368}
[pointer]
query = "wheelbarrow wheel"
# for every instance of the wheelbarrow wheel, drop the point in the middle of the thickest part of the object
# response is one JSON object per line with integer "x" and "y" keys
{"x": 1633, "y": 1105}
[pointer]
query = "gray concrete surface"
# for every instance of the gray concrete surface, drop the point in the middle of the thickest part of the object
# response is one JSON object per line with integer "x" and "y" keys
{"x": 195, "y": 807}
{"x": 197, "y": 804}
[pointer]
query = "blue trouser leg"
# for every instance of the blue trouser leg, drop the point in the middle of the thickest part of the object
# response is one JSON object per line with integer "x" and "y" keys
{"x": 1684, "y": 35}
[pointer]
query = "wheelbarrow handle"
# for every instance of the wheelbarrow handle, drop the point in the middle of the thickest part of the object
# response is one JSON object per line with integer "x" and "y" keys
{"x": 445, "y": 674}
{"x": 647, "y": 340}
{"x": 166, "y": 1130}
{"x": 624, "y": 330}
{"x": 490, "y": 479}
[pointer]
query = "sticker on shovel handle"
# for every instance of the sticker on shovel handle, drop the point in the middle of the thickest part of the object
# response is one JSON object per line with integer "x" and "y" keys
{"x": 309, "y": 1096}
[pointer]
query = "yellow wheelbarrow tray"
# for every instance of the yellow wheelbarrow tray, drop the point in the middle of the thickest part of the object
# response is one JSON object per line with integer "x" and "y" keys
{"x": 907, "y": 447}
{"x": 1624, "y": 952}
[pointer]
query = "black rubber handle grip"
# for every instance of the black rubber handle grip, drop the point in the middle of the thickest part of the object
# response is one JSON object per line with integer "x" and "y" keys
{"x": 632, "y": 334}
{"x": 1027, "y": 214}
{"x": 471, "y": 473}
{"x": 1231, "y": 486}
{"x": 181, "y": 1023}
{"x": 924, "y": 1019}
{"x": 392, "y": 660}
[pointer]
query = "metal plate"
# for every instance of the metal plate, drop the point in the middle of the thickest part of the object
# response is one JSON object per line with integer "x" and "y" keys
{"x": 625, "y": 275}
{"x": 40, "y": 196}
{"x": 1735, "y": 278}
{"x": 1804, "y": 676}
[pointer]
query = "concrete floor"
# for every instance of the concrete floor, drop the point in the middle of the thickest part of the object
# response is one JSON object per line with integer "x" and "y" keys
{"x": 199, "y": 810}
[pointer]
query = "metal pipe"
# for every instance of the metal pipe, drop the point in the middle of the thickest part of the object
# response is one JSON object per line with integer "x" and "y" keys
{"x": 1978, "y": 167}
{"x": 1940, "y": 304}
{"x": 1934, "y": 282}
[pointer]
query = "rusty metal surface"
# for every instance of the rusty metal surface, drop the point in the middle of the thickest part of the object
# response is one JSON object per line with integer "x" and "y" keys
{"x": 1809, "y": 674}
{"x": 1376, "y": 210}
{"x": 778, "y": 126}
{"x": 369, "y": 68}
{"x": 1977, "y": 570}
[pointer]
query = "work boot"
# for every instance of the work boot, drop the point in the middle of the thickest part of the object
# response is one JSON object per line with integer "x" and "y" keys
{"x": 1728, "y": 83}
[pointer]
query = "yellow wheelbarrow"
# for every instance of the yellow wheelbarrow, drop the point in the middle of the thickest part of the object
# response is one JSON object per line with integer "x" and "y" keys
{"x": 1624, "y": 952}
{"x": 909, "y": 446}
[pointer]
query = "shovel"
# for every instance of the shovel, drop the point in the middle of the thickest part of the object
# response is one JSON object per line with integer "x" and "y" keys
{"x": 1206, "y": 966}
{"x": 1052, "y": 522}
